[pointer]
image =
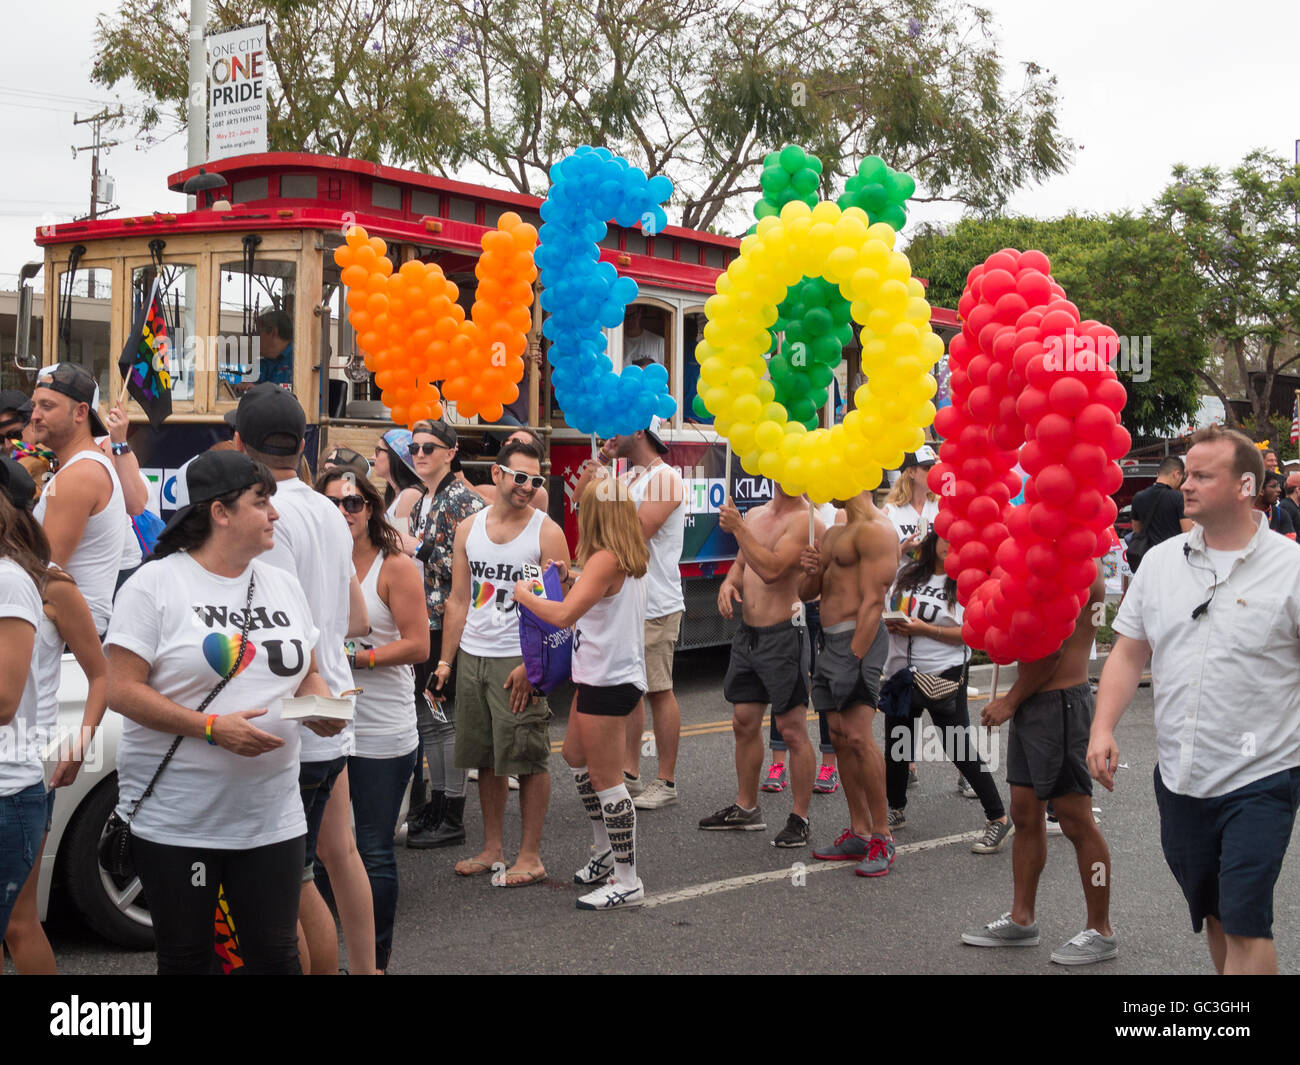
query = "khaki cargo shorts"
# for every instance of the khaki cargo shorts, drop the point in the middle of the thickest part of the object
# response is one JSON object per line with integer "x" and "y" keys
{"x": 488, "y": 735}
{"x": 660, "y": 640}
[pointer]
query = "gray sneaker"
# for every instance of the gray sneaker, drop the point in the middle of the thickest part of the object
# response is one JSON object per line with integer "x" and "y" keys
{"x": 1004, "y": 932}
{"x": 847, "y": 848}
{"x": 1085, "y": 948}
{"x": 735, "y": 819}
{"x": 996, "y": 833}
{"x": 880, "y": 856}
{"x": 635, "y": 786}
{"x": 965, "y": 789}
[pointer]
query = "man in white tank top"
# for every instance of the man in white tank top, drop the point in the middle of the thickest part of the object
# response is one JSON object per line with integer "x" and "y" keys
{"x": 82, "y": 509}
{"x": 660, "y": 498}
{"x": 501, "y": 729}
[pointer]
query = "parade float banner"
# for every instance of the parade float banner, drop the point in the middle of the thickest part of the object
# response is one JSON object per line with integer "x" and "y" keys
{"x": 237, "y": 92}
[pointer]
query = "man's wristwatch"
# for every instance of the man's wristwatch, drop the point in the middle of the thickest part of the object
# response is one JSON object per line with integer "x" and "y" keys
{"x": 120, "y": 449}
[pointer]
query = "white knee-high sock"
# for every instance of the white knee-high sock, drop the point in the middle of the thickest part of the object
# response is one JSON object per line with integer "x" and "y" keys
{"x": 620, "y": 825}
{"x": 591, "y": 804}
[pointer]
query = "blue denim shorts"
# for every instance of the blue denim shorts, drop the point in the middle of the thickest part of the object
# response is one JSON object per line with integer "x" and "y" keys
{"x": 1226, "y": 851}
{"x": 22, "y": 827}
{"x": 315, "y": 782}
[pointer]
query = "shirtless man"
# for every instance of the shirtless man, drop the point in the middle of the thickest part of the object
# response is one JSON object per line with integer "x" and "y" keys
{"x": 769, "y": 658}
{"x": 852, "y": 572}
{"x": 1050, "y": 708}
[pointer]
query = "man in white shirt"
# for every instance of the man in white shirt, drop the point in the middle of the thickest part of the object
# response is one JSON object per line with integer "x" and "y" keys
{"x": 640, "y": 348}
{"x": 1217, "y": 610}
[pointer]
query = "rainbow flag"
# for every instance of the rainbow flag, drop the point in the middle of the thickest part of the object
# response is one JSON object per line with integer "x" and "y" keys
{"x": 144, "y": 363}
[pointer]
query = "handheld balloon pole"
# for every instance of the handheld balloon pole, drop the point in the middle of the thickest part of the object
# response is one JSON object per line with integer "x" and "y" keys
{"x": 593, "y": 448}
{"x": 812, "y": 529}
{"x": 995, "y": 683}
{"x": 726, "y": 475}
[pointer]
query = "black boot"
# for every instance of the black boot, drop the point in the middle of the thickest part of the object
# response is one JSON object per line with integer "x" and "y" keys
{"x": 419, "y": 834}
{"x": 452, "y": 829}
{"x": 419, "y": 800}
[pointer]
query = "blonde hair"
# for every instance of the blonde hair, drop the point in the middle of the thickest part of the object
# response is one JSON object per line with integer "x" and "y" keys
{"x": 901, "y": 494}
{"x": 607, "y": 521}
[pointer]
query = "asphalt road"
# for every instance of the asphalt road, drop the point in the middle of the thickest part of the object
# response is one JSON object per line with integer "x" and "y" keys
{"x": 730, "y": 902}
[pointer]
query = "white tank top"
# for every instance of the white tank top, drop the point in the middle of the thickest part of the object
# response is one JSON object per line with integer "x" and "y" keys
{"x": 492, "y": 624}
{"x": 664, "y": 577}
{"x": 98, "y": 556}
{"x": 609, "y": 639}
{"x": 385, "y": 711}
{"x": 48, "y": 665}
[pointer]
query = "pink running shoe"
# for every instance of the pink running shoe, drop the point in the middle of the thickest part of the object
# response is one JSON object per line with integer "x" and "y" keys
{"x": 776, "y": 777}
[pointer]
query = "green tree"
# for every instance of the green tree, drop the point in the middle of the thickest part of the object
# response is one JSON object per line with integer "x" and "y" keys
{"x": 1129, "y": 272}
{"x": 695, "y": 89}
{"x": 1240, "y": 233}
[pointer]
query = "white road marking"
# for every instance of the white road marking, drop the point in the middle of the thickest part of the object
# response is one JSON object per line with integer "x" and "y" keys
{"x": 716, "y": 887}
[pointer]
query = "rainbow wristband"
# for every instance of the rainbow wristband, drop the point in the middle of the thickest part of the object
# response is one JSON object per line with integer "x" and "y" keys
{"x": 207, "y": 729}
{"x": 371, "y": 663}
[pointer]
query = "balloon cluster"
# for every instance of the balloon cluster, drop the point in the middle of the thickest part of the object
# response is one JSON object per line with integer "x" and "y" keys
{"x": 1030, "y": 382}
{"x": 879, "y": 190}
{"x": 788, "y": 175}
{"x": 581, "y": 294}
{"x": 412, "y": 331}
{"x": 816, "y": 323}
{"x": 898, "y": 349}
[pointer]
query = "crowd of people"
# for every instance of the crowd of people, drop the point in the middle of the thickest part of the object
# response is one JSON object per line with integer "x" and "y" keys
{"x": 268, "y": 602}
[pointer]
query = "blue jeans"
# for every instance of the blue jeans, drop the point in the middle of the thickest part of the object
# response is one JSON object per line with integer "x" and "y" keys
{"x": 315, "y": 782}
{"x": 377, "y": 788}
{"x": 22, "y": 827}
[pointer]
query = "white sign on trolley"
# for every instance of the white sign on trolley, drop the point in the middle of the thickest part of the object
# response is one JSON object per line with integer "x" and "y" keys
{"x": 237, "y": 92}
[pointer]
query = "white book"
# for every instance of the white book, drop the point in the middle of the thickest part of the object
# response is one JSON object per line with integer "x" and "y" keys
{"x": 316, "y": 708}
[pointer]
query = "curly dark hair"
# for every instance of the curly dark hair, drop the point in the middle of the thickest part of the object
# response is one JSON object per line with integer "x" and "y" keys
{"x": 380, "y": 532}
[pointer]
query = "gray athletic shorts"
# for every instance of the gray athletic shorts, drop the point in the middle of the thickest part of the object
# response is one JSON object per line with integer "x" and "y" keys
{"x": 842, "y": 679}
{"x": 1047, "y": 748}
{"x": 768, "y": 665}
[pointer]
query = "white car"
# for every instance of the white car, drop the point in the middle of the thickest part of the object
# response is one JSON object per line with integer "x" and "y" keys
{"x": 114, "y": 908}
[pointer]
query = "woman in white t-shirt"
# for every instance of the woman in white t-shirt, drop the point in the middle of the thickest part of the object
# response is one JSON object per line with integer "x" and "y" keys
{"x": 607, "y": 608}
{"x": 928, "y": 640}
{"x": 384, "y": 730}
{"x": 225, "y": 811}
{"x": 22, "y": 779}
{"x": 910, "y": 505}
{"x": 65, "y": 620}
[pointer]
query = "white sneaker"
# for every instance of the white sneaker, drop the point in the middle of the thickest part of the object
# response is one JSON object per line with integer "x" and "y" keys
{"x": 472, "y": 775}
{"x": 598, "y": 870}
{"x": 635, "y": 785}
{"x": 656, "y": 795}
{"x": 613, "y": 896}
{"x": 513, "y": 783}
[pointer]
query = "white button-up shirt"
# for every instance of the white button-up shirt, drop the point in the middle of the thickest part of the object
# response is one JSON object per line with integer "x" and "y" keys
{"x": 1226, "y": 685}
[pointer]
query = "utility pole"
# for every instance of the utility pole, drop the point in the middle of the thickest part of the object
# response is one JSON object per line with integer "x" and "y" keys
{"x": 97, "y": 123}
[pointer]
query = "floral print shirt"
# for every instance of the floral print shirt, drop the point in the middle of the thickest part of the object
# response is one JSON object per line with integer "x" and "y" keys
{"x": 433, "y": 522}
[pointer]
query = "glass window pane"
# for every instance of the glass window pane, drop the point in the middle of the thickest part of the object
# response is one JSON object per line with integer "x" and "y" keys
{"x": 255, "y": 326}
{"x": 88, "y": 340}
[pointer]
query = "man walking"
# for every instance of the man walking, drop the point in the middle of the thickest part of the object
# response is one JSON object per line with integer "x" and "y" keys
{"x": 1158, "y": 511}
{"x": 852, "y": 571}
{"x": 1218, "y": 613}
{"x": 501, "y": 727}
{"x": 769, "y": 659}
{"x": 1050, "y": 710}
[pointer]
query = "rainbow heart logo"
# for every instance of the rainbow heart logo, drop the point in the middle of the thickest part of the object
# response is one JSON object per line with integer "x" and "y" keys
{"x": 483, "y": 593}
{"x": 220, "y": 651}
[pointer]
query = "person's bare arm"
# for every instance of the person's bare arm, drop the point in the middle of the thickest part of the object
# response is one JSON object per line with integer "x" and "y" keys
{"x": 17, "y": 641}
{"x": 729, "y": 590}
{"x": 401, "y": 587}
{"x": 358, "y": 616}
{"x": 131, "y": 696}
{"x": 771, "y": 564}
{"x": 554, "y": 546}
{"x": 70, "y": 504}
{"x": 593, "y": 584}
{"x": 76, "y": 626}
{"x": 457, "y": 606}
{"x": 135, "y": 489}
{"x": 1120, "y": 677}
{"x": 1030, "y": 676}
{"x": 814, "y": 561}
{"x": 877, "y": 548}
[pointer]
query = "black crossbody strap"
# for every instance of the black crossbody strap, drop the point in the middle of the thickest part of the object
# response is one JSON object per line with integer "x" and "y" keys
{"x": 243, "y": 643}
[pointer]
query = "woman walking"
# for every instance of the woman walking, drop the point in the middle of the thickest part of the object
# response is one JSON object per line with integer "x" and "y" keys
{"x": 607, "y": 606}
{"x": 928, "y": 643}
{"x": 385, "y": 731}
{"x": 205, "y": 644}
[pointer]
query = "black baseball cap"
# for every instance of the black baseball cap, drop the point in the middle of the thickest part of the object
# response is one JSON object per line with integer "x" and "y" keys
{"x": 923, "y": 456}
{"x": 347, "y": 459}
{"x": 76, "y": 383}
{"x": 266, "y": 412}
{"x": 439, "y": 429}
{"x": 652, "y": 434}
{"x": 211, "y": 475}
{"x": 17, "y": 483}
{"x": 13, "y": 400}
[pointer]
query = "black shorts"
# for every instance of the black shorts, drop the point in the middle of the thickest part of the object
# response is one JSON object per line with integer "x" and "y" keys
{"x": 617, "y": 700}
{"x": 1047, "y": 749}
{"x": 842, "y": 679}
{"x": 768, "y": 665}
{"x": 1226, "y": 851}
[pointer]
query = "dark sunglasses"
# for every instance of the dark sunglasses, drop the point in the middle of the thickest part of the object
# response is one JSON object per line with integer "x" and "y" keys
{"x": 522, "y": 479}
{"x": 428, "y": 449}
{"x": 352, "y": 504}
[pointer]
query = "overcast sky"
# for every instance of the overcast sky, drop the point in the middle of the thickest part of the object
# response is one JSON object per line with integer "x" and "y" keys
{"x": 1144, "y": 84}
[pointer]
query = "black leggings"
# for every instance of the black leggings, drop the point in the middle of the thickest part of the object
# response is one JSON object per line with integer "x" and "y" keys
{"x": 261, "y": 885}
{"x": 958, "y": 745}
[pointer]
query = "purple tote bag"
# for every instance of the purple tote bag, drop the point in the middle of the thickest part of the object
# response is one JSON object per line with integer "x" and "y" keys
{"x": 548, "y": 651}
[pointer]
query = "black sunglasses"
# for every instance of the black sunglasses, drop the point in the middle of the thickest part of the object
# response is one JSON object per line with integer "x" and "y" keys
{"x": 428, "y": 449}
{"x": 352, "y": 504}
{"x": 522, "y": 479}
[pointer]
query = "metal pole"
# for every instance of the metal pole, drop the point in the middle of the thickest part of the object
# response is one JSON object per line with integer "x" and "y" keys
{"x": 197, "y": 110}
